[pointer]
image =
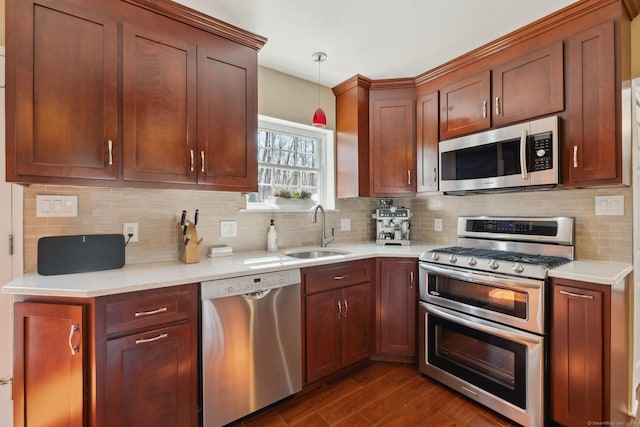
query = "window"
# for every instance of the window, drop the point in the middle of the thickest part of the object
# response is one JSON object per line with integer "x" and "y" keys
{"x": 294, "y": 159}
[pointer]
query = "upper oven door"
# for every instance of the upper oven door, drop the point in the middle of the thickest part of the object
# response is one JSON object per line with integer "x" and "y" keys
{"x": 515, "y": 156}
{"x": 513, "y": 301}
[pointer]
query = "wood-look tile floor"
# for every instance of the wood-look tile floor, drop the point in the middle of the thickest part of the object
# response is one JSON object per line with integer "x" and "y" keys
{"x": 381, "y": 394}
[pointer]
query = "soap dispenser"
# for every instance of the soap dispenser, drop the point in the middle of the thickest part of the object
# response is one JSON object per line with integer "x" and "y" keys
{"x": 272, "y": 238}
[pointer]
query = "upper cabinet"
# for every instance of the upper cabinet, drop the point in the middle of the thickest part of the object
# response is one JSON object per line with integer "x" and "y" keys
{"x": 188, "y": 91}
{"x": 528, "y": 86}
{"x": 375, "y": 145}
{"x": 62, "y": 92}
{"x": 464, "y": 105}
{"x": 427, "y": 122}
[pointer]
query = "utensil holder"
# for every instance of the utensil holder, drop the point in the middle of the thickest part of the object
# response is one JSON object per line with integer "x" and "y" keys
{"x": 191, "y": 244}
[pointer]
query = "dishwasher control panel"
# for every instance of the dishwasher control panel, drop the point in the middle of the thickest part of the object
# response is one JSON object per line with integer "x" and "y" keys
{"x": 248, "y": 284}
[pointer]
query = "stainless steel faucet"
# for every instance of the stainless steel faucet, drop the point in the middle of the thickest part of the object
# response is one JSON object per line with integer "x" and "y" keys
{"x": 324, "y": 241}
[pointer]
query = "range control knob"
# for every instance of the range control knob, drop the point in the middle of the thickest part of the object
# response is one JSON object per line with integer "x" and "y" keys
{"x": 517, "y": 267}
{"x": 453, "y": 259}
{"x": 493, "y": 264}
{"x": 435, "y": 256}
{"x": 472, "y": 261}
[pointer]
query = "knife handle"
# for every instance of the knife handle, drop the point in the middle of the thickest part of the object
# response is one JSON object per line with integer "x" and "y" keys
{"x": 184, "y": 229}
{"x": 195, "y": 217}
{"x": 184, "y": 217}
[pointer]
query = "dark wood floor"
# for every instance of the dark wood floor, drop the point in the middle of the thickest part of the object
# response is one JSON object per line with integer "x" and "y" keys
{"x": 382, "y": 394}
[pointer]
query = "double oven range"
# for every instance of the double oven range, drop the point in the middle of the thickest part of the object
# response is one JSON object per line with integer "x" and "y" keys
{"x": 483, "y": 321}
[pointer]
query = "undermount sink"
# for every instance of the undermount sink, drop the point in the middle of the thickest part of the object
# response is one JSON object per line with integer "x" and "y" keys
{"x": 315, "y": 253}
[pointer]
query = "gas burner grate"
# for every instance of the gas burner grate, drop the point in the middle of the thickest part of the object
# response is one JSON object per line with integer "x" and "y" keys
{"x": 545, "y": 261}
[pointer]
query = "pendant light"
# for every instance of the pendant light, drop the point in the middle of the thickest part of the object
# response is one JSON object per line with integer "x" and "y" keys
{"x": 319, "y": 117}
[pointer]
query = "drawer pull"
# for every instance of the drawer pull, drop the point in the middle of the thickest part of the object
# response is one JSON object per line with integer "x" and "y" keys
{"x": 74, "y": 348}
{"x": 572, "y": 294}
{"x": 151, "y": 313}
{"x": 147, "y": 340}
{"x": 346, "y": 276}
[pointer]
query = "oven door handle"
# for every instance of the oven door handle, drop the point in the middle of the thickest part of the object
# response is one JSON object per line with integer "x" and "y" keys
{"x": 481, "y": 325}
{"x": 483, "y": 279}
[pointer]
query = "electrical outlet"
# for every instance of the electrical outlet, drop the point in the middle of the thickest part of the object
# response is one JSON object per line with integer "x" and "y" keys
{"x": 130, "y": 228}
{"x": 345, "y": 224}
{"x": 437, "y": 224}
{"x": 228, "y": 228}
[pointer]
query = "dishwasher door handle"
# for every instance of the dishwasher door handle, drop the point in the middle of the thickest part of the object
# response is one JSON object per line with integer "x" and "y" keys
{"x": 257, "y": 294}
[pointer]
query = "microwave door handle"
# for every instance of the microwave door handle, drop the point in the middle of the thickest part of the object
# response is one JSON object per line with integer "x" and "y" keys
{"x": 523, "y": 153}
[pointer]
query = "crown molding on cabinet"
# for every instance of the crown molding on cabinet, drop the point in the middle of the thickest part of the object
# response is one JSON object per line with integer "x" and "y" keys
{"x": 198, "y": 19}
{"x": 557, "y": 19}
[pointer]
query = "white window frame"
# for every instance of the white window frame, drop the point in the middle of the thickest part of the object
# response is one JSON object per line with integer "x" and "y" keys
{"x": 327, "y": 188}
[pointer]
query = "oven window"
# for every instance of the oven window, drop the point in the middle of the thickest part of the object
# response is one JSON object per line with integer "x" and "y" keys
{"x": 493, "y": 298}
{"x": 484, "y": 360}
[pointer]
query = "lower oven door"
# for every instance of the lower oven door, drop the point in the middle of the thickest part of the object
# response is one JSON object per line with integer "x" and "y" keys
{"x": 498, "y": 366}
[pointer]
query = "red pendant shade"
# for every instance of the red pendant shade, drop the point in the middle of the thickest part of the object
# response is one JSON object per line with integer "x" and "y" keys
{"x": 319, "y": 118}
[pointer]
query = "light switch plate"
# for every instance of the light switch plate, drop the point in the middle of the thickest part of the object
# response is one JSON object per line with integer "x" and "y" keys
{"x": 228, "y": 228}
{"x": 54, "y": 205}
{"x": 610, "y": 205}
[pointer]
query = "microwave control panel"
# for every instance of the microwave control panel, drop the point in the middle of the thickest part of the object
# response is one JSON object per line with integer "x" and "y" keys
{"x": 540, "y": 152}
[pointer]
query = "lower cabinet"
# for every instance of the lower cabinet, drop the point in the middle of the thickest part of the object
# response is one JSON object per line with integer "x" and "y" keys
{"x": 121, "y": 360}
{"x": 396, "y": 315}
{"x": 49, "y": 365}
{"x": 338, "y": 321}
{"x": 588, "y": 353}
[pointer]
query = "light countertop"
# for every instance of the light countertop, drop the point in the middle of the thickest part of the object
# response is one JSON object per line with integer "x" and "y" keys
{"x": 136, "y": 277}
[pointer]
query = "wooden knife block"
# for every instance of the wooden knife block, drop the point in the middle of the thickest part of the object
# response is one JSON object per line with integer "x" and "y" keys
{"x": 190, "y": 249}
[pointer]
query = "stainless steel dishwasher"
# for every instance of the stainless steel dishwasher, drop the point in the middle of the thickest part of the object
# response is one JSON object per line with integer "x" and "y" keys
{"x": 251, "y": 344}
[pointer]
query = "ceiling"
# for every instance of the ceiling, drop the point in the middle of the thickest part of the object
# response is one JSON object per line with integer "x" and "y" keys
{"x": 375, "y": 38}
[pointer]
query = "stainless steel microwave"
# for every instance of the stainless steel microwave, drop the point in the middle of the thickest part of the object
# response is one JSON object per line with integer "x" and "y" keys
{"x": 516, "y": 156}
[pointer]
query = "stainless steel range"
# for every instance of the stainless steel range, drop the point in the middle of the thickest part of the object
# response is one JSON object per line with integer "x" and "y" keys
{"x": 482, "y": 310}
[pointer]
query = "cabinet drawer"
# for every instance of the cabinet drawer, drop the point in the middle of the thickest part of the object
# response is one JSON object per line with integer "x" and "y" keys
{"x": 318, "y": 279}
{"x": 147, "y": 309}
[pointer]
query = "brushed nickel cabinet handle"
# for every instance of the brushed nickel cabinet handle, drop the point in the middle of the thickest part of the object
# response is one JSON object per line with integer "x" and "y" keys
{"x": 202, "y": 160}
{"x": 151, "y": 312}
{"x": 74, "y": 348}
{"x": 110, "y": 146}
{"x": 484, "y": 109}
{"x": 497, "y": 105}
{"x": 346, "y": 276}
{"x": 573, "y": 294}
{"x": 435, "y": 175}
{"x": 575, "y": 156}
{"x": 147, "y": 340}
{"x": 339, "y": 310}
{"x": 346, "y": 308}
{"x": 192, "y": 160}
{"x": 411, "y": 280}
{"x": 409, "y": 176}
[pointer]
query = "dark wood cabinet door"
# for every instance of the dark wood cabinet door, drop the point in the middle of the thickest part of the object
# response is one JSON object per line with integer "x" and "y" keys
{"x": 427, "y": 125}
{"x": 61, "y": 51}
{"x": 356, "y": 323}
{"x": 227, "y": 117}
{"x": 397, "y": 301}
{"x": 577, "y": 356}
{"x": 151, "y": 379}
{"x": 393, "y": 146}
{"x": 465, "y": 106}
{"x": 159, "y": 105}
{"x": 323, "y": 340}
{"x": 591, "y": 151}
{"x": 528, "y": 87}
{"x": 50, "y": 355}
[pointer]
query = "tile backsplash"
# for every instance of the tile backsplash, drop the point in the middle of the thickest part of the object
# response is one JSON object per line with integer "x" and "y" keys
{"x": 157, "y": 212}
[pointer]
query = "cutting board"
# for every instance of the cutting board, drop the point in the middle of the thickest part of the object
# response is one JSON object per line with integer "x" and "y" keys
{"x": 80, "y": 253}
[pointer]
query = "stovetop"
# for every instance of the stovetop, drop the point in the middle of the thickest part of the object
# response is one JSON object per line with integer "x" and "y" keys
{"x": 544, "y": 261}
{"x": 526, "y": 247}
